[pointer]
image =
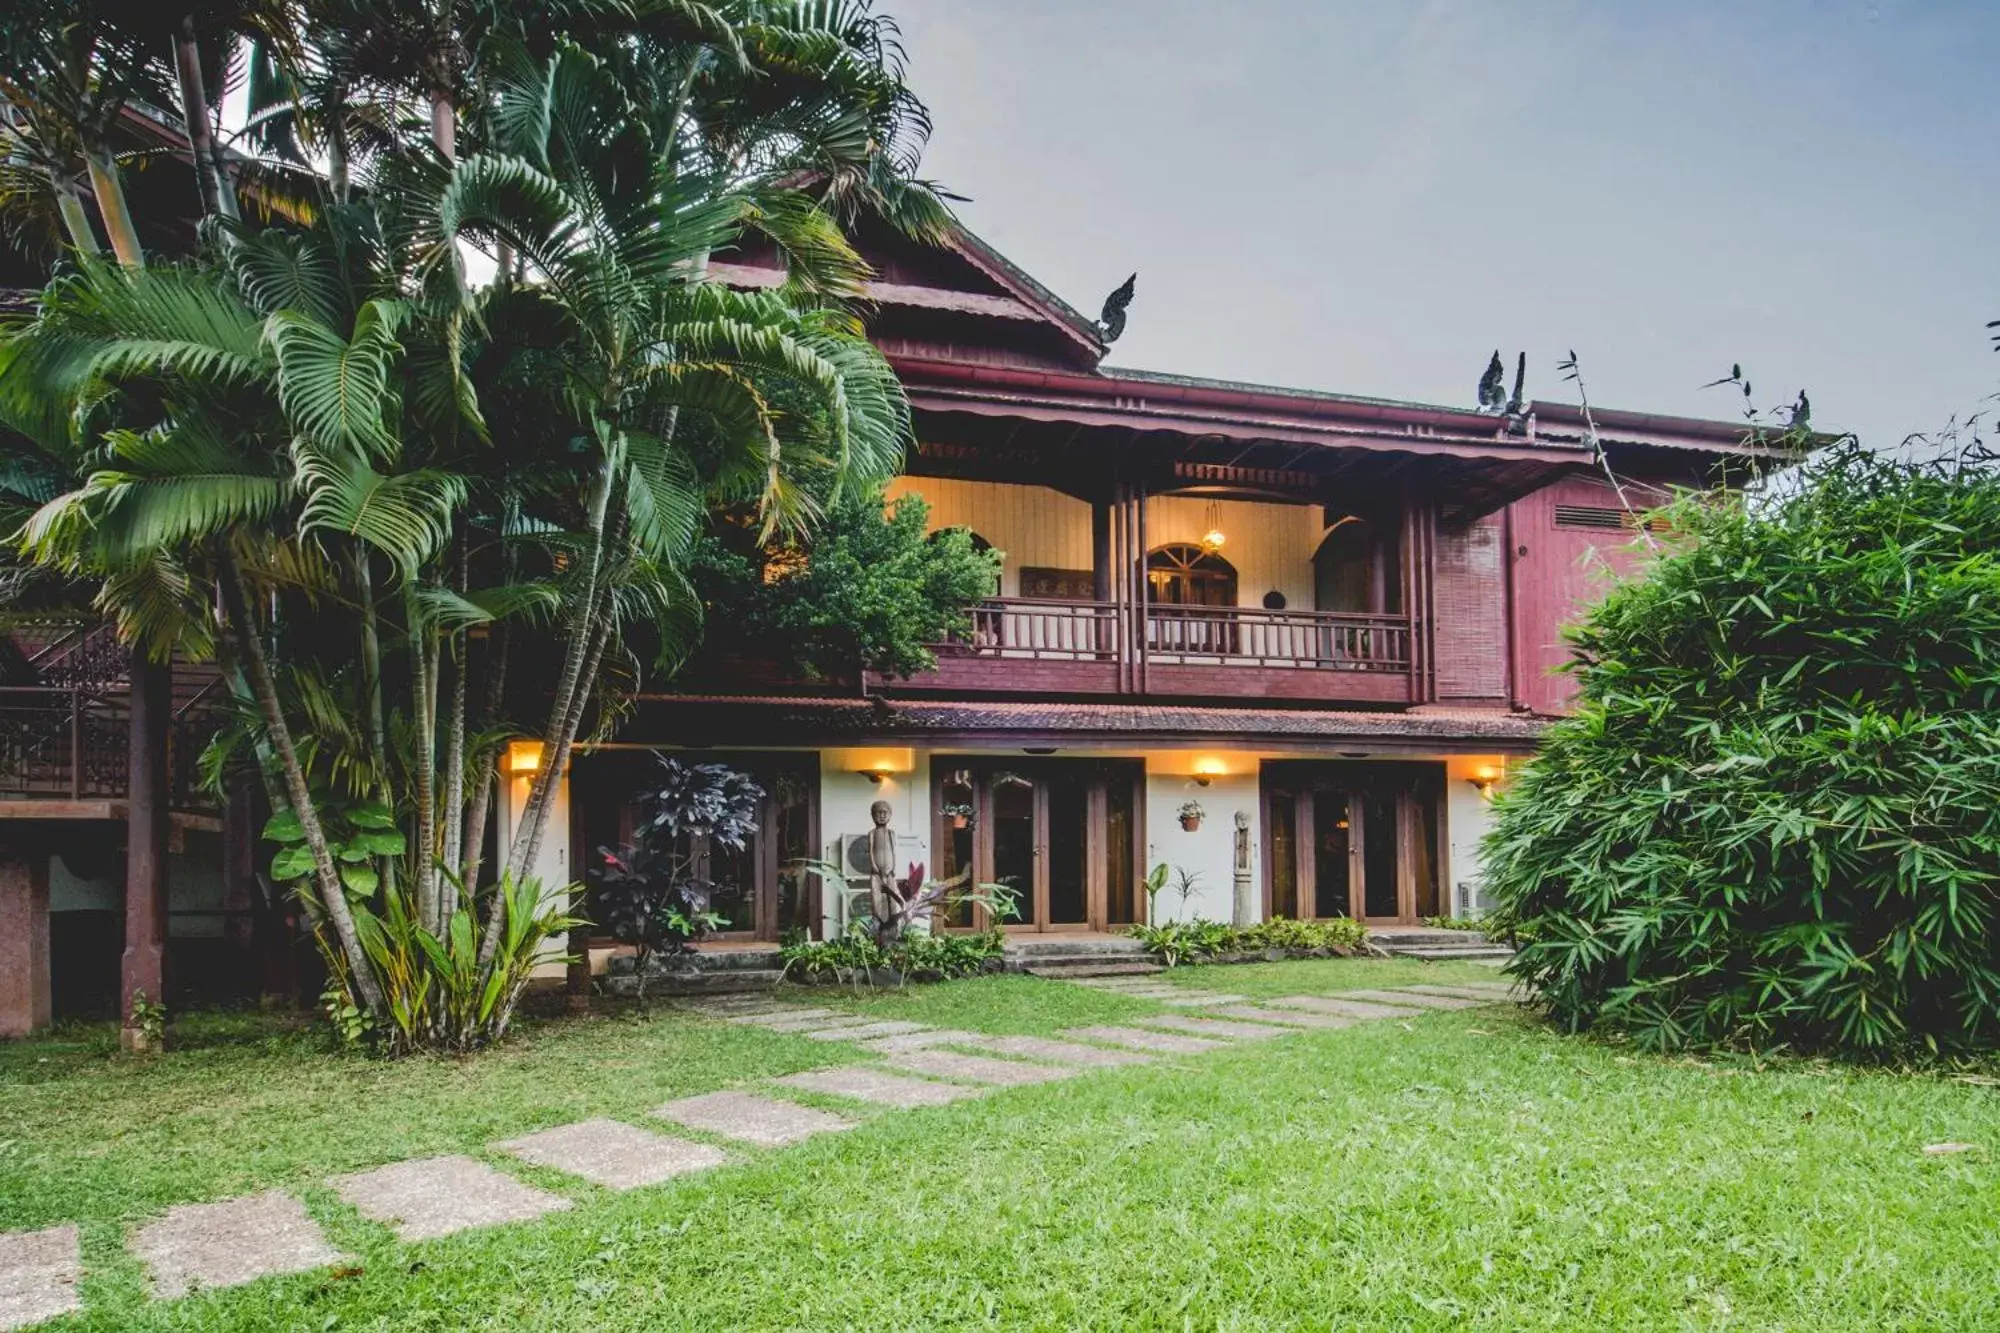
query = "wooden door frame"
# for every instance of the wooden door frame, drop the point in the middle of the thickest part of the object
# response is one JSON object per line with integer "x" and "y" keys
{"x": 1360, "y": 782}
{"x": 982, "y": 769}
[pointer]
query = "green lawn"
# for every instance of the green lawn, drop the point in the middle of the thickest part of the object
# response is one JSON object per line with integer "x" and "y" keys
{"x": 1462, "y": 1169}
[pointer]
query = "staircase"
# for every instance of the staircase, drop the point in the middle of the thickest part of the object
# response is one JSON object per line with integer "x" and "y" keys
{"x": 1077, "y": 955}
{"x": 1438, "y": 945}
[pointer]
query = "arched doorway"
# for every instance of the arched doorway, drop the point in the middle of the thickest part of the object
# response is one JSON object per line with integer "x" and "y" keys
{"x": 1185, "y": 575}
{"x": 1357, "y": 568}
{"x": 1181, "y": 579}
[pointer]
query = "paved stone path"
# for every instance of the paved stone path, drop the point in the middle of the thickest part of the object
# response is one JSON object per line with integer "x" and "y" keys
{"x": 231, "y": 1242}
{"x": 436, "y": 1196}
{"x": 864, "y": 1083}
{"x": 613, "y": 1154}
{"x": 195, "y": 1246}
{"x": 39, "y": 1271}
{"x": 752, "y": 1119}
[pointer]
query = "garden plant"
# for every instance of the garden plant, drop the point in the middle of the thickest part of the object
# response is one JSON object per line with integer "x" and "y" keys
{"x": 1774, "y": 819}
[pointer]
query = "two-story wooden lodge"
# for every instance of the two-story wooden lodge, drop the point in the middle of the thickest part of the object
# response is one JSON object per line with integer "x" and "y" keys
{"x": 1330, "y": 621}
{"x": 1324, "y": 624}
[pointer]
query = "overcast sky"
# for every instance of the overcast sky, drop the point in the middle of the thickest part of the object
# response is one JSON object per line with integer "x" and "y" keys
{"x": 1371, "y": 197}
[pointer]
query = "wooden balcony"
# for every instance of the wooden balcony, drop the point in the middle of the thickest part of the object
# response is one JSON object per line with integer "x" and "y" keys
{"x": 1020, "y": 645}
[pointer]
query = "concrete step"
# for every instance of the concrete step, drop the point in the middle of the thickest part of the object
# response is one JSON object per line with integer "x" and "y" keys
{"x": 724, "y": 982}
{"x": 1032, "y": 950}
{"x": 1063, "y": 969}
{"x": 703, "y": 960}
{"x": 1393, "y": 937}
{"x": 1441, "y": 953}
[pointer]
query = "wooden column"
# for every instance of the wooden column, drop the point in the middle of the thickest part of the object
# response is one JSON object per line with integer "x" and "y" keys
{"x": 26, "y": 998}
{"x": 144, "y": 966}
{"x": 1100, "y": 550}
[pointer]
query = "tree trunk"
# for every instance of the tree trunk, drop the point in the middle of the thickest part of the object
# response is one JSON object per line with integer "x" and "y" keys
{"x": 333, "y": 898}
{"x": 75, "y": 219}
{"x": 109, "y": 188}
{"x": 452, "y": 854}
{"x": 218, "y": 197}
{"x": 423, "y": 672}
{"x": 534, "y": 816}
{"x": 371, "y": 689}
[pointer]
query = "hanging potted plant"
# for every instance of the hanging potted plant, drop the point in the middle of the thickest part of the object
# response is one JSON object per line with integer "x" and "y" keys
{"x": 1191, "y": 815}
{"x": 958, "y": 812}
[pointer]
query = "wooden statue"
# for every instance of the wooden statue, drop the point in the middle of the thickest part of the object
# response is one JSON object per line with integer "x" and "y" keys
{"x": 881, "y": 861}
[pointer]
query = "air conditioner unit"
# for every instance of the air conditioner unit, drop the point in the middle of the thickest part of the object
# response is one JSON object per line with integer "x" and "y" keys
{"x": 851, "y": 902}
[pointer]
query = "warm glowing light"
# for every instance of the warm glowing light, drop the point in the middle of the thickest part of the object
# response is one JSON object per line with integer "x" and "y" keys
{"x": 524, "y": 758}
{"x": 876, "y": 765}
{"x": 1487, "y": 773}
{"x": 1212, "y": 540}
{"x": 1209, "y": 766}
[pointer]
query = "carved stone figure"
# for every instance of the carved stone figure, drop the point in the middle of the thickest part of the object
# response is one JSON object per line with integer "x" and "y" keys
{"x": 1243, "y": 905}
{"x": 881, "y": 860}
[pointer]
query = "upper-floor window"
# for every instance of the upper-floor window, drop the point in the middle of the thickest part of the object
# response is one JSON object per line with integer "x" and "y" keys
{"x": 1185, "y": 575}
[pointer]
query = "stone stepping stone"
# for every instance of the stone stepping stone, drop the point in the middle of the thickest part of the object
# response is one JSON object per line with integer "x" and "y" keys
{"x": 1138, "y": 1039}
{"x": 229, "y": 1243}
{"x": 734, "y": 1004}
{"x": 864, "y": 1083}
{"x": 39, "y": 1271}
{"x": 1418, "y": 999}
{"x": 1221, "y": 1029}
{"x": 1323, "y": 1004}
{"x": 613, "y": 1154}
{"x": 867, "y": 1031}
{"x": 793, "y": 1023}
{"x": 436, "y": 1196}
{"x": 922, "y": 1041}
{"x": 784, "y": 1014}
{"x": 1062, "y": 1052}
{"x": 1470, "y": 990}
{"x": 1291, "y": 1018}
{"x": 979, "y": 1068}
{"x": 751, "y": 1118}
{"x": 1201, "y": 999}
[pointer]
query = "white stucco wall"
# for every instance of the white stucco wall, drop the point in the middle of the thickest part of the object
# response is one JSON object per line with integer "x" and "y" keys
{"x": 1210, "y": 850}
{"x": 551, "y": 863}
{"x": 846, "y": 793}
{"x": 1468, "y": 814}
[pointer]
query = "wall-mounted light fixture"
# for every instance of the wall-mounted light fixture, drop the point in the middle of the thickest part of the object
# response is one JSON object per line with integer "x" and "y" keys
{"x": 1486, "y": 778}
{"x": 1207, "y": 769}
{"x": 879, "y": 765}
{"x": 524, "y": 758}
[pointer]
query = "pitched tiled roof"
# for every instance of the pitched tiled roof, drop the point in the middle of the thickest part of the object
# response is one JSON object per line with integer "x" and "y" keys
{"x": 725, "y": 719}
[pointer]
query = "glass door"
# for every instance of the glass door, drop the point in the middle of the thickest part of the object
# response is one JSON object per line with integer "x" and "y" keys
{"x": 1352, "y": 839}
{"x": 1061, "y": 836}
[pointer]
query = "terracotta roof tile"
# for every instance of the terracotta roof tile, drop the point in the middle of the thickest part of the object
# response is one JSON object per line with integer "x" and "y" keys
{"x": 710, "y": 719}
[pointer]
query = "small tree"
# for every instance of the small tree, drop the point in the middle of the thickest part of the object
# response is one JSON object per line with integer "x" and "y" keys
{"x": 869, "y": 588}
{"x": 1774, "y": 818}
{"x": 649, "y": 893}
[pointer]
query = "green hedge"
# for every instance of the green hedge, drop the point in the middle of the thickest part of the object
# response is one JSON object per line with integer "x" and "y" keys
{"x": 1774, "y": 819}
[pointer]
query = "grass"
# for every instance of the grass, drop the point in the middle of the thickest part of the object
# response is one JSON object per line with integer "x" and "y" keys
{"x": 1464, "y": 1169}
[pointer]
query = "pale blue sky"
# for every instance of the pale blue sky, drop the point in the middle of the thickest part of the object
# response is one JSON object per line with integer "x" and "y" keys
{"x": 1372, "y": 197}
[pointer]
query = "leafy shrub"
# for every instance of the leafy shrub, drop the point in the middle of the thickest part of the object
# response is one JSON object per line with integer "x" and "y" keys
{"x": 1774, "y": 818}
{"x": 647, "y": 894}
{"x": 1474, "y": 923}
{"x": 439, "y": 993}
{"x": 857, "y": 955}
{"x": 1178, "y": 942}
{"x": 1340, "y": 935}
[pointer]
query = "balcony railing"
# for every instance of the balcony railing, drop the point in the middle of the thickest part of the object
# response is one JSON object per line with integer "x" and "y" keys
{"x": 1251, "y": 636}
{"x": 1022, "y": 628}
{"x": 72, "y": 744}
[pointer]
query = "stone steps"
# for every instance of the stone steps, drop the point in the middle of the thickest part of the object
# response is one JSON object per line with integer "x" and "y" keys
{"x": 1446, "y": 953}
{"x": 1068, "y": 969}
